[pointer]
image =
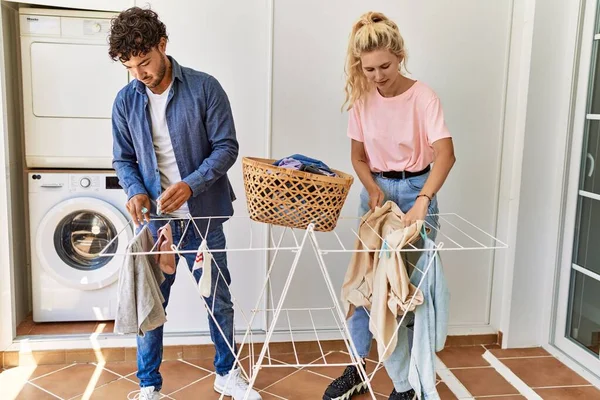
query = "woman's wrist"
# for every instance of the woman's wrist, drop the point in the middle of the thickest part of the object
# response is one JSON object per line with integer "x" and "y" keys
{"x": 372, "y": 188}
{"x": 424, "y": 197}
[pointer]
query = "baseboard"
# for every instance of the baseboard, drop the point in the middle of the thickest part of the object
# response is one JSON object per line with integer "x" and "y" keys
{"x": 27, "y": 356}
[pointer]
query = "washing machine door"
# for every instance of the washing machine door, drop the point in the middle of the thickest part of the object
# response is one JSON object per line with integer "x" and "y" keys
{"x": 71, "y": 236}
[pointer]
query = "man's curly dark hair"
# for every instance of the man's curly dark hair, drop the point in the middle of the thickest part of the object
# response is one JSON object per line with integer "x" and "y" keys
{"x": 135, "y": 32}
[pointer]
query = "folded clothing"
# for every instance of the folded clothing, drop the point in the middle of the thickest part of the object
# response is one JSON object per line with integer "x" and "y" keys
{"x": 302, "y": 163}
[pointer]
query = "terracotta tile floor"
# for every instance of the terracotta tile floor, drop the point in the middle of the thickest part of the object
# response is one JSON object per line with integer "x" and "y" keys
{"x": 193, "y": 379}
{"x": 30, "y": 328}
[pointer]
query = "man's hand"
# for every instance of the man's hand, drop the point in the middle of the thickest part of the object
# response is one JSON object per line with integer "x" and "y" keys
{"x": 174, "y": 197}
{"x": 139, "y": 209}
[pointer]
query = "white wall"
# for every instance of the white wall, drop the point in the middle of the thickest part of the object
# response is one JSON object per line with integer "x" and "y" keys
{"x": 232, "y": 44}
{"x": 460, "y": 49}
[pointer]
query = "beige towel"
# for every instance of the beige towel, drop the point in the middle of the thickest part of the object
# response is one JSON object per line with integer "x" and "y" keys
{"x": 392, "y": 290}
{"x": 358, "y": 283}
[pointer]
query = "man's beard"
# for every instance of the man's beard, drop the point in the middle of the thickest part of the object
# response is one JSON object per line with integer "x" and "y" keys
{"x": 160, "y": 74}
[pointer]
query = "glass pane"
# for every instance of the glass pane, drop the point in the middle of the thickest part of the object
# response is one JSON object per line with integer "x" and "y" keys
{"x": 590, "y": 162}
{"x": 587, "y": 236}
{"x": 594, "y": 77}
{"x": 584, "y": 321}
{"x": 80, "y": 236}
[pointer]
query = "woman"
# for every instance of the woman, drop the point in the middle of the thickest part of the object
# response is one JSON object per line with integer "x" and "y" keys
{"x": 397, "y": 129}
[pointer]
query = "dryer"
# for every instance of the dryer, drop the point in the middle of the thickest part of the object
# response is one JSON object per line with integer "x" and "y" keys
{"x": 69, "y": 86}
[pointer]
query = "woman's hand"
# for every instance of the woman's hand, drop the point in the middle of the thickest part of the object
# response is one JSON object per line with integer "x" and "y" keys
{"x": 376, "y": 197}
{"x": 418, "y": 212}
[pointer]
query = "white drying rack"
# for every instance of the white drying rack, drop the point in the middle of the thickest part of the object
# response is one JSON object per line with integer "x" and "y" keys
{"x": 458, "y": 235}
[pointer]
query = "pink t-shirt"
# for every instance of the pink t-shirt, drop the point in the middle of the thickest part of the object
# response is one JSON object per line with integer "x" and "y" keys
{"x": 398, "y": 132}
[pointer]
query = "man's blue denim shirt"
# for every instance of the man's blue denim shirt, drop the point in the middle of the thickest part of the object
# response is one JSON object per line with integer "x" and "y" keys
{"x": 202, "y": 132}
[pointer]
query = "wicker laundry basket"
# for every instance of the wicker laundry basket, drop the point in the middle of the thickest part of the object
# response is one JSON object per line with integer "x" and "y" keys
{"x": 287, "y": 197}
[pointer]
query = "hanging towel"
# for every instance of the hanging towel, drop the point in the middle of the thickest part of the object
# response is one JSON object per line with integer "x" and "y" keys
{"x": 357, "y": 289}
{"x": 140, "y": 301}
{"x": 204, "y": 261}
{"x": 431, "y": 323}
{"x": 393, "y": 293}
{"x": 166, "y": 262}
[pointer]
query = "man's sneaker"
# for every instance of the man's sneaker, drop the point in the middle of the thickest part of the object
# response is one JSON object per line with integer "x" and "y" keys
{"x": 145, "y": 393}
{"x": 234, "y": 385}
{"x": 409, "y": 395}
{"x": 346, "y": 386}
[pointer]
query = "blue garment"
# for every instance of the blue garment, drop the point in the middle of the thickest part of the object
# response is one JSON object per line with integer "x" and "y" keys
{"x": 309, "y": 164}
{"x": 430, "y": 329}
{"x": 150, "y": 346}
{"x": 202, "y": 132}
{"x": 403, "y": 192}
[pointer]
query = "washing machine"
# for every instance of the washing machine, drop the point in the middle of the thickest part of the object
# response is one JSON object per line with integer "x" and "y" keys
{"x": 69, "y": 86}
{"x": 73, "y": 216}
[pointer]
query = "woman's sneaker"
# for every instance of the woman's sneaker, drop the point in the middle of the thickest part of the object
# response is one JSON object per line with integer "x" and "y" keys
{"x": 409, "y": 395}
{"x": 346, "y": 386}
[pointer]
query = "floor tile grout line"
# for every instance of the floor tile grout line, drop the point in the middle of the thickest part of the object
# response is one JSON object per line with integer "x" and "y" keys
{"x": 114, "y": 372}
{"x": 463, "y": 368}
{"x": 523, "y": 358}
{"x": 561, "y": 387}
{"x": 197, "y": 366}
{"x": 511, "y": 377}
{"x": 44, "y": 390}
{"x": 69, "y": 366}
{"x": 49, "y": 373}
{"x": 284, "y": 378}
{"x": 295, "y": 372}
{"x": 272, "y": 394}
{"x": 455, "y": 385}
{"x": 190, "y": 384}
{"x": 98, "y": 387}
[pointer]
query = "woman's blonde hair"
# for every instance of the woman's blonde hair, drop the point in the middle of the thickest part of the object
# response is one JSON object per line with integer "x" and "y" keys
{"x": 373, "y": 31}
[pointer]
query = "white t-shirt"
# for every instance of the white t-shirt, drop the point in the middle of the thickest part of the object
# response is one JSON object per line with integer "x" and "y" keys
{"x": 165, "y": 156}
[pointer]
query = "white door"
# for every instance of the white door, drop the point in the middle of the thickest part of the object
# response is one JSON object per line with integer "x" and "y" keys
{"x": 578, "y": 307}
{"x": 71, "y": 236}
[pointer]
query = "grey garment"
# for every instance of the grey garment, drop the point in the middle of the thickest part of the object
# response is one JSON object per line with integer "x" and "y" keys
{"x": 139, "y": 304}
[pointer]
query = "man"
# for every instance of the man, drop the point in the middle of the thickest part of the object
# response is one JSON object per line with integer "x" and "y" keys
{"x": 174, "y": 141}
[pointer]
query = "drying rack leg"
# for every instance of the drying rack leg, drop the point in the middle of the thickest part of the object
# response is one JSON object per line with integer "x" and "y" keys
{"x": 276, "y": 314}
{"x": 345, "y": 330}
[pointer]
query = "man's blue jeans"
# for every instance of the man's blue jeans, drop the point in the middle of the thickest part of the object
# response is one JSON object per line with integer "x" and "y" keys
{"x": 150, "y": 346}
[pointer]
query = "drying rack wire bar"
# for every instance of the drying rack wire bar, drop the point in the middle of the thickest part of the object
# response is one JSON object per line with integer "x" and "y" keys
{"x": 248, "y": 225}
{"x": 456, "y": 232}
